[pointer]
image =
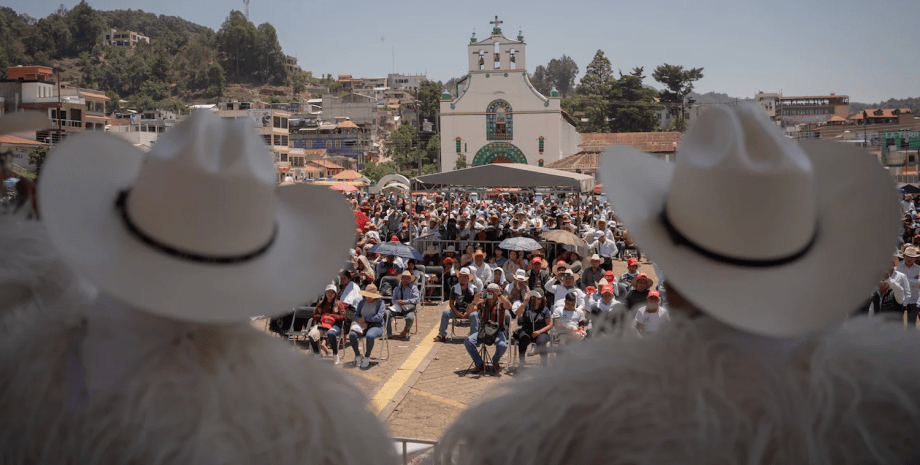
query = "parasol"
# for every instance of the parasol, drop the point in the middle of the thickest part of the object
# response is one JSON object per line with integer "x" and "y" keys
{"x": 361, "y": 219}
{"x": 396, "y": 249}
{"x": 521, "y": 244}
{"x": 562, "y": 236}
{"x": 344, "y": 187}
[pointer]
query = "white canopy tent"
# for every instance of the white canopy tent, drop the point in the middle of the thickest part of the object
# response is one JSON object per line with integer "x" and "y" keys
{"x": 505, "y": 175}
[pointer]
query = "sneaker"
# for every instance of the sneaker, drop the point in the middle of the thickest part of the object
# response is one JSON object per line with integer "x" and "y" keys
{"x": 338, "y": 360}
{"x": 357, "y": 360}
{"x": 365, "y": 362}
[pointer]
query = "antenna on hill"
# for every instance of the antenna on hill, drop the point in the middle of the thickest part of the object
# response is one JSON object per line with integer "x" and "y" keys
{"x": 246, "y": 2}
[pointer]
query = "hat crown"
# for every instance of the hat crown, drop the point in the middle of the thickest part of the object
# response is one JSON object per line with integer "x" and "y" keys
{"x": 207, "y": 187}
{"x": 727, "y": 155}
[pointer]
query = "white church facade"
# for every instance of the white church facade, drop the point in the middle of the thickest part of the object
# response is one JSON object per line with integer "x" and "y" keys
{"x": 495, "y": 115}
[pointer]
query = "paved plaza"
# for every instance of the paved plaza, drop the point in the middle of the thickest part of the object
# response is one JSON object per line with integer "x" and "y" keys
{"x": 423, "y": 386}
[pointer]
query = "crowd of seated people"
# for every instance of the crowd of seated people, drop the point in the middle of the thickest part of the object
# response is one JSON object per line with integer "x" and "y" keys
{"x": 459, "y": 234}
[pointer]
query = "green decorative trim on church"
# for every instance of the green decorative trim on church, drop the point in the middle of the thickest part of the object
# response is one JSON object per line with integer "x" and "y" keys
{"x": 497, "y": 151}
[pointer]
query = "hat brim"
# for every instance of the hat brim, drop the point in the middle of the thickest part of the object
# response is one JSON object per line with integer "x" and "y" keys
{"x": 82, "y": 179}
{"x": 371, "y": 295}
{"x": 857, "y": 223}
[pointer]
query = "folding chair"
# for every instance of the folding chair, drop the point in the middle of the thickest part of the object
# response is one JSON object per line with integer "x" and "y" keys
{"x": 439, "y": 286}
{"x": 300, "y": 312}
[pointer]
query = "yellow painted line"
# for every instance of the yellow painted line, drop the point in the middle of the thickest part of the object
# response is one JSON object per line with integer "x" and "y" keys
{"x": 438, "y": 398}
{"x": 396, "y": 382}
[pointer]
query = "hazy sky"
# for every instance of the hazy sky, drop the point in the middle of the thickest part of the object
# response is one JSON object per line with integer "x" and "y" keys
{"x": 866, "y": 49}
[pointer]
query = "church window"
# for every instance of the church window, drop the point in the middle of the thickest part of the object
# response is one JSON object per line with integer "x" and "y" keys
{"x": 464, "y": 147}
{"x": 540, "y": 162}
{"x": 541, "y": 144}
{"x": 458, "y": 145}
{"x": 497, "y": 53}
{"x": 499, "y": 123}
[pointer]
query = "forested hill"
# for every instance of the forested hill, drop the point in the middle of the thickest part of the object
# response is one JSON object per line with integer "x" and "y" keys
{"x": 184, "y": 61}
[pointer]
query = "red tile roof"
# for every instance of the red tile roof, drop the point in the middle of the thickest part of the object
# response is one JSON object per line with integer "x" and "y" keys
{"x": 327, "y": 164}
{"x": 5, "y": 139}
{"x": 886, "y": 113}
{"x": 645, "y": 141}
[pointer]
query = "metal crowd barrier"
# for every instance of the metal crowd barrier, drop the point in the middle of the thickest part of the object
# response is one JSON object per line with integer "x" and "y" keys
{"x": 424, "y": 442}
{"x": 422, "y": 243}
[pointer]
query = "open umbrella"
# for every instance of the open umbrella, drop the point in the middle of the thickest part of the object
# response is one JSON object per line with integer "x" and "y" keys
{"x": 520, "y": 244}
{"x": 599, "y": 189}
{"x": 396, "y": 249}
{"x": 341, "y": 186}
{"x": 361, "y": 219}
{"x": 562, "y": 236}
{"x": 909, "y": 189}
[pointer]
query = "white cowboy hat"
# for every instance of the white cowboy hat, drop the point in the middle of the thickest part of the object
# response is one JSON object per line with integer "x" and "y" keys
{"x": 759, "y": 266}
{"x": 195, "y": 230}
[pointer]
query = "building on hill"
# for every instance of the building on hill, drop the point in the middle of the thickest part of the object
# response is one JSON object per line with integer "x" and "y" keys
{"x": 70, "y": 109}
{"x": 407, "y": 82}
{"x": 30, "y": 73}
{"x": 663, "y": 144}
{"x": 872, "y": 116}
{"x": 127, "y": 39}
{"x": 495, "y": 115}
{"x": 805, "y": 109}
{"x": 290, "y": 63}
{"x": 341, "y": 139}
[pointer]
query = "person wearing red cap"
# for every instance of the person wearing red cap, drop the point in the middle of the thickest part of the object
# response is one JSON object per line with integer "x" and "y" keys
{"x": 650, "y": 316}
{"x": 632, "y": 270}
{"x": 639, "y": 290}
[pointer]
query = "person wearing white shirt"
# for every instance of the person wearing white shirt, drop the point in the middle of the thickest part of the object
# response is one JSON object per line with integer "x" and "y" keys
{"x": 569, "y": 319}
{"x": 350, "y": 291}
{"x": 562, "y": 285}
{"x": 606, "y": 248}
{"x": 891, "y": 303}
{"x": 482, "y": 272}
{"x": 911, "y": 269}
{"x": 650, "y": 317}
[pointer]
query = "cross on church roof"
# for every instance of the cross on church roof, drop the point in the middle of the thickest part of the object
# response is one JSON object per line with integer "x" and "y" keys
{"x": 496, "y": 29}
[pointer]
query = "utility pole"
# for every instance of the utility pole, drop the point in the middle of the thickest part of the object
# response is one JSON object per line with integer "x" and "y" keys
{"x": 58, "y": 69}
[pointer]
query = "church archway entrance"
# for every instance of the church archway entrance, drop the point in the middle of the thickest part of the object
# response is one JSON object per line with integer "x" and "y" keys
{"x": 499, "y": 152}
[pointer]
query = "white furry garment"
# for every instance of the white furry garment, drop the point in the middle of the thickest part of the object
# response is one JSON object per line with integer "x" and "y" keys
{"x": 204, "y": 394}
{"x": 700, "y": 392}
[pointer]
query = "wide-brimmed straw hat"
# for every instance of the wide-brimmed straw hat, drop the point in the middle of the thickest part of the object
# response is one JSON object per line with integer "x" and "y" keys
{"x": 371, "y": 291}
{"x": 762, "y": 269}
{"x": 197, "y": 229}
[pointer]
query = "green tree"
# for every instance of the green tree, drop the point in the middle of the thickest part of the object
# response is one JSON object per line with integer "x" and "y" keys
{"x": 270, "y": 55}
{"x": 562, "y": 74}
{"x": 637, "y": 114}
{"x": 461, "y": 162}
{"x": 401, "y": 146}
{"x": 598, "y": 78}
{"x": 541, "y": 81}
{"x": 298, "y": 82}
{"x": 217, "y": 81}
{"x": 37, "y": 157}
{"x": 678, "y": 84}
{"x": 236, "y": 40}
{"x": 86, "y": 27}
{"x": 429, "y": 97}
{"x": 160, "y": 69}
{"x": 157, "y": 90}
{"x": 113, "y": 104}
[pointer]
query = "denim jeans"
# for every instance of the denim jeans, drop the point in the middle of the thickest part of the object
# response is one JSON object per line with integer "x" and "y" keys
{"x": 445, "y": 320}
{"x": 912, "y": 311}
{"x": 500, "y": 347}
{"x": 371, "y": 333}
{"x": 332, "y": 334}
{"x": 408, "y": 312}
